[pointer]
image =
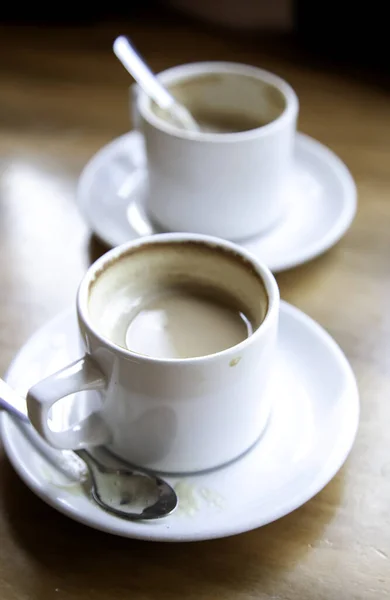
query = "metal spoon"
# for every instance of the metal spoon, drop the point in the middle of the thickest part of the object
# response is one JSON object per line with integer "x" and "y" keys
{"x": 137, "y": 67}
{"x": 129, "y": 494}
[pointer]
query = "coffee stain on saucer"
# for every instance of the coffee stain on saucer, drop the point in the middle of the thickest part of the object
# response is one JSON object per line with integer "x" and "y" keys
{"x": 72, "y": 487}
{"x": 188, "y": 504}
{"x": 213, "y": 498}
{"x": 192, "y": 500}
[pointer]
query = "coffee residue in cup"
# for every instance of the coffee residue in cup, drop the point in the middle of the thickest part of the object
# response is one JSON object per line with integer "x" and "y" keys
{"x": 226, "y": 122}
{"x": 182, "y": 324}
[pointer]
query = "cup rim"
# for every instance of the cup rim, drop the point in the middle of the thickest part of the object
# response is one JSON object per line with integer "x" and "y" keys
{"x": 265, "y": 274}
{"x": 179, "y": 72}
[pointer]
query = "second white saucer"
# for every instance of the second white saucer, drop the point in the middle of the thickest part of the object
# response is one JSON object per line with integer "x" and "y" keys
{"x": 321, "y": 204}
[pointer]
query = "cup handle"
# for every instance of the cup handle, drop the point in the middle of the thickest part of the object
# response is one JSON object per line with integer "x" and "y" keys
{"x": 82, "y": 375}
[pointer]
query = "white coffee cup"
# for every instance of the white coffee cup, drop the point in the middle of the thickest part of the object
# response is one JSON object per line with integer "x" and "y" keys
{"x": 168, "y": 414}
{"x": 231, "y": 185}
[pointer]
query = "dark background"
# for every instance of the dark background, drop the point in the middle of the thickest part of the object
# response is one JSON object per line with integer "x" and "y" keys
{"x": 339, "y": 31}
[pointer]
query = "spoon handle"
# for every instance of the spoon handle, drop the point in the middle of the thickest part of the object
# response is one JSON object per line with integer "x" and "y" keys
{"x": 11, "y": 402}
{"x": 65, "y": 461}
{"x": 141, "y": 72}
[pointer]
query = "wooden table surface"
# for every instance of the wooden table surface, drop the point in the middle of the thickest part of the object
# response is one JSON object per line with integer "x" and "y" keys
{"x": 63, "y": 95}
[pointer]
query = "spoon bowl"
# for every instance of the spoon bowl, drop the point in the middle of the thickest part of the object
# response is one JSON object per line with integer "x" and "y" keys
{"x": 130, "y": 494}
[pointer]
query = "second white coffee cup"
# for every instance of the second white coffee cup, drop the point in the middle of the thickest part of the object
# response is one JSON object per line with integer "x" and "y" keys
{"x": 233, "y": 184}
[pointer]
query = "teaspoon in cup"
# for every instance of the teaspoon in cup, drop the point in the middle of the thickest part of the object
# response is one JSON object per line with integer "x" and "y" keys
{"x": 140, "y": 71}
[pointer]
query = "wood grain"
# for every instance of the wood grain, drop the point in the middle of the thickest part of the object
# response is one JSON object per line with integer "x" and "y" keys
{"x": 63, "y": 95}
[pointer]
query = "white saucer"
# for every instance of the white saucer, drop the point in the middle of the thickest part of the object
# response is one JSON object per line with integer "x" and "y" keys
{"x": 310, "y": 433}
{"x": 321, "y": 205}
